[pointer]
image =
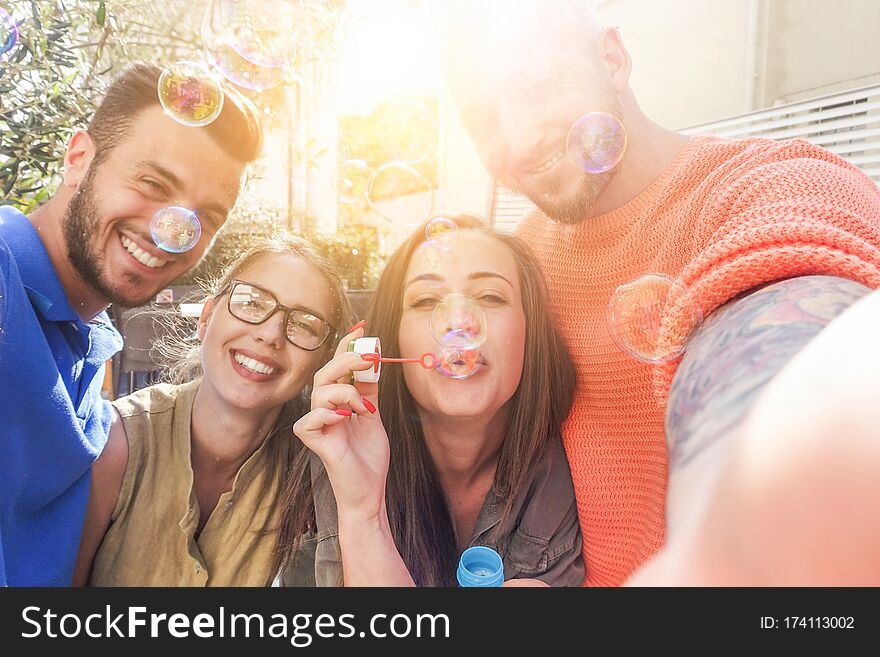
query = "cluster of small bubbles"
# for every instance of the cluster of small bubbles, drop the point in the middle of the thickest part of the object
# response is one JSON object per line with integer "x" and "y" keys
{"x": 175, "y": 229}
{"x": 409, "y": 131}
{"x": 190, "y": 94}
{"x": 351, "y": 181}
{"x": 596, "y": 142}
{"x": 457, "y": 363}
{"x": 458, "y": 322}
{"x": 637, "y": 312}
{"x": 319, "y": 142}
{"x": 400, "y": 194}
{"x": 8, "y": 35}
{"x": 245, "y": 40}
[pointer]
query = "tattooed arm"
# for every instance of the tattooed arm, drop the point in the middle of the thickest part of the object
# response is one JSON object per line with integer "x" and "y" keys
{"x": 774, "y": 443}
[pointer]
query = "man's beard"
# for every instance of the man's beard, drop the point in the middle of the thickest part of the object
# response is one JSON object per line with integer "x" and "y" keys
{"x": 80, "y": 224}
{"x": 576, "y": 207}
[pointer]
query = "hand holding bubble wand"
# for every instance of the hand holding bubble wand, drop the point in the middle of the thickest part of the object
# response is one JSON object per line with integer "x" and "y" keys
{"x": 345, "y": 430}
{"x": 344, "y": 427}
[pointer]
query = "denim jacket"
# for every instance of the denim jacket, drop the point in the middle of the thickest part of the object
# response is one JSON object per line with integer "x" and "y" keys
{"x": 541, "y": 537}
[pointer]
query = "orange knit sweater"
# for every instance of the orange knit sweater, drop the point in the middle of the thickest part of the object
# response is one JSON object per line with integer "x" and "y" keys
{"x": 726, "y": 215}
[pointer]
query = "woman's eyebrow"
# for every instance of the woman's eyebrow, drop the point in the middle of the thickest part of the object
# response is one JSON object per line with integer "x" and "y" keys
{"x": 423, "y": 277}
{"x": 311, "y": 311}
{"x": 488, "y": 274}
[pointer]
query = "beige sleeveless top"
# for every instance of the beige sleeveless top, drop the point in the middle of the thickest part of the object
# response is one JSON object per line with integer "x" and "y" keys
{"x": 151, "y": 541}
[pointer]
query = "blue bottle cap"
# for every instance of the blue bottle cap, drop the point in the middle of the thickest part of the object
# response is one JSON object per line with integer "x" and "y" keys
{"x": 480, "y": 566}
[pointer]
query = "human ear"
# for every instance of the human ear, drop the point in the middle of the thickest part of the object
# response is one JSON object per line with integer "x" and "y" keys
{"x": 616, "y": 58}
{"x": 78, "y": 158}
{"x": 207, "y": 311}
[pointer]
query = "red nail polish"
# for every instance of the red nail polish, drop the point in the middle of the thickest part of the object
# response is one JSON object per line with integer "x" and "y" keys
{"x": 368, "y": 404}
{"x": 370, "y": 357}
{"x": 343, "y": 411}
{"x": 360, "y": 324}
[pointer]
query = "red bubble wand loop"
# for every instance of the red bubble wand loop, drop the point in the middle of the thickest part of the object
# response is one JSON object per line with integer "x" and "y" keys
{"x": 427, "y": 360}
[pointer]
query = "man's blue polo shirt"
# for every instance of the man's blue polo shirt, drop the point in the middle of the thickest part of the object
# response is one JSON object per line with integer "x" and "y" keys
{"x": 53, "y": 420}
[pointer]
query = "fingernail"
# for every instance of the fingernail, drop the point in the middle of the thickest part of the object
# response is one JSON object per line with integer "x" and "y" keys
{"x": 368, "y": 404}
{"x": 343, "y": 411}
{"x": 360, "y": 324}
{"x": 370, "y": 357}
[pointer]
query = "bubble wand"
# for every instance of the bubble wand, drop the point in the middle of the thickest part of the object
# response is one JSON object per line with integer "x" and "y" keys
{"x": 370, "y": 349}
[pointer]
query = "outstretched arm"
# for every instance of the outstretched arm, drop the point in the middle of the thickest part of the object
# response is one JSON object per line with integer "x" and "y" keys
{"x": 773, "y": 449}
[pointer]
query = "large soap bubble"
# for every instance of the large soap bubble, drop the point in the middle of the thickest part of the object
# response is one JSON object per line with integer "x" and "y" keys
{"x": 400, "y": 194}
{"x": 175, "y": 229}
{"x": 458, "y": 322}
{"x": 597, "y": 142}
{"x": 637, "y": 312}
{"x": 246, "y": 43}
{"x": 190, "y": 94}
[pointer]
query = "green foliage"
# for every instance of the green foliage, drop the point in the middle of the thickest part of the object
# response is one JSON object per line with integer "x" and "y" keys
{"x": 354, "y": 250}
{"x": 378, "y": 138}
{"x": 49, "y": 86}
{"x": 69, "y": 50}
{"x": 41, "y": 98}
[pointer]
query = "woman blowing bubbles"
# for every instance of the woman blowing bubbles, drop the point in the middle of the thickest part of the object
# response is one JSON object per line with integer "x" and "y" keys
{"x": 423, "y": 465}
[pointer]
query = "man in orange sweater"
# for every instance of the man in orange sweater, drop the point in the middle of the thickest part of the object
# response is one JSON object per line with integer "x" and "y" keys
{"x": 752, "y": 459}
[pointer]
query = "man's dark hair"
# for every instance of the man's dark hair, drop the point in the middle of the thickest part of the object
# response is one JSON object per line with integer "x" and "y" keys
{"x": 237, "y": 128}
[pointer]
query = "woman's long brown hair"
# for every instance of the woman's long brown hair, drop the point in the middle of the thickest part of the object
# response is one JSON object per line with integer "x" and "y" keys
{"x": 417, "y": 508}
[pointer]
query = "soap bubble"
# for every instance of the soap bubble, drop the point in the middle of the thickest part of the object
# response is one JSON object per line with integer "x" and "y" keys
{"x": 243, "y": 73}
{"x": 457, "y": 363}
{"x": 238, "y": 70}
{"x": 596, "y": 142}
{"x": 175, "y": 229}
{"x": 260, "y": 32}
{"x": 458, "y": 322}
{"x": 637, "y": 312}
{"x": 230, "y": 35}
{"x": 190, "y": 94}
{"x": 8, "y": 35}
{"x": 350, "y": 181}
{"x": 439, "y": 228}
{"x": 409, "y": 131}
{"x": 400, "y": 194}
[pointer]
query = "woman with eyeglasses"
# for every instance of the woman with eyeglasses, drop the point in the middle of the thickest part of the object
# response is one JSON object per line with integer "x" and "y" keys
{"x": 186, "y": 491}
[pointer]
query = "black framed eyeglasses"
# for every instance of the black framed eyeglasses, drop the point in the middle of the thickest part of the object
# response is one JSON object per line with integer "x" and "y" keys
{"x": 254, "y": 305}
